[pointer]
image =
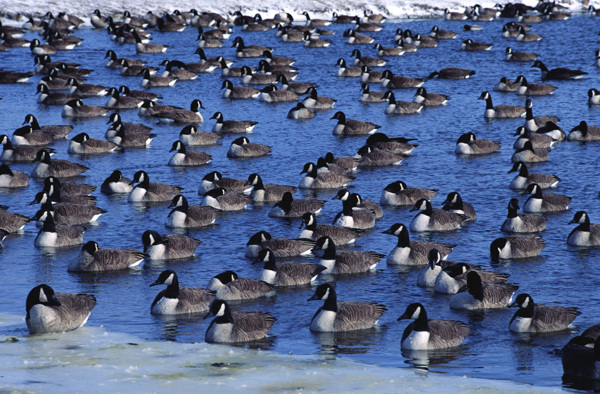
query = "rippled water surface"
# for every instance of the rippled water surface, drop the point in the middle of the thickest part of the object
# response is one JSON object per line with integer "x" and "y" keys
{"x": 560, "y": 275}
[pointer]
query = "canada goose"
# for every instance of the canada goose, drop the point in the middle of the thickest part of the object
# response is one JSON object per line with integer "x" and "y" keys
{"x": 538, "y": 141}
{"x": 516, "y": 247}
{"x": 85, "y": 89}
{"x": 207, "y": 42}
{"x": 225, "y": 200}
{"x": 468, "y": 144}
{"x": 231, "y": 126}
{"x": 75, "y": 109}
{"x": 205, "y": 65}
{"x": 471, "y": 46}
{"x": 549, "y": 128}
{"x": 522, "y": 223}
{"x": 507, "y": 85}
{"x": 140, "y": 94}
{"x": 55, "y": 167}
{"x": 169, "y": 26}
{"x": 117, "y": 101}
{"x": 537, "y": 318}
{"x": 309, "y": 40}
{"x": 396, "y": 145}
{"x": 585, "y": 234}
{"x": 97, "y": 20}
{"x": 545, "y": 202}
{"x": 359, "y": 218}
{"x": 48, "y": 311}
{"x": 430, "y": 99}
{"x": 455, "y": 204}
{"x": 435, "y": 264}
{"x": 214, "y": 179}
{"x": 242, "y": 148}
{"x": 134, "y": 69}
{"x": 454, "y": 16}
{"x": 176, "y": 300}
{"x": 132, "y": 140}
{"x": 369, "y": 76}
{"x": 315, "y": 22}
{"x": 229, "y": 287}
{"x": 347, "y": 163}
{"x": 357, "y": 38}
{"x": 13, "y": 222}
{"x": 115, "y": 183}
{"x": 528, "y": 154}
{"x": 238, "y": 92}
{"x": 398, "y": 194}
{"x": 128, "y": 128}
{"x": 393, "y": 51}
{"x": 584, "y": 132}
{"x": 236, "y": 326}
{"x": 391, "y": 81}
{"x": 141, "y": 47}
{"x": 82, "y": 144}
{"x": 343, "y": 19}
{"x": 314, "y": 101}
{"x": 95, "y": 259}
{"x": 57, "y": 236}
{"x": 322, "y": 180}
{"x": 558, "y": 73}
{"x": 349, "y": 262}
{"x": 500, "y": 111}
{"x": 452, "y": 73}
{"x": 478, "y": 295}
{"x": 300, "y": 112}
{"x": 347, "y": 71}
{"x": 251, "y": 78}
{"x": 146, "y": 191}
{"x": 245, "y": 51}
{"x": 432, "y": 219}
{"x": 67, "y": 213}
{"x": 262, "y": 193}
{"x": 361, "y": 60}
{"x": 526, "y": 178}
{"x": 428, "y": 334}
{"x": 524, "y": 36}
{"x": 288, "y": 273}
{"x": 19, "y": 153}
{"x": 53, "y": 98}
{"x": 512, "y": 56}
{"x": 342, "y": 316}
{"x": 168, "y": 246}
{"x": 453, "y": 277}
{"x": 279, "y": 247}
{"x": 27, "y": 136}
{"x": 370, "y": 17}
{"x": 37, "y": 48}
{"x": 347, "y": 126}
{"x": 580, "y": 358}
{"x": 271, "y": 94}
{"x": 183, "y": 158}
{"x": 440, "y": 34}
{"x": 12, "y": 178}
{"x": 371, "y": 97}
{"x": 314, "y": 231}
{"x": 177, "y": 69}
{"x": 362, "y": 204}
{"x": 184, "y": 215}
{"x": 400, "y": 107}
{"x": 409, "y": 252}
{"x": 156, "y": 81}
{"x": 296, "y": 87}
{"x": 593, "y": 97}
{"x": 289, "y": 207}
{"x": 533, "y": 89}
{"x": 116, "y": 62}
{"x": 191, "y": 136}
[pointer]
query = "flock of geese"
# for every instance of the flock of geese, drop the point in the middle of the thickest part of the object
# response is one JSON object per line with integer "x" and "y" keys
{"x": 66, "y": 206}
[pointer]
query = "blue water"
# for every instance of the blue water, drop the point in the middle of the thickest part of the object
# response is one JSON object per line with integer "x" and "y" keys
{"x": 562, "y": 275}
